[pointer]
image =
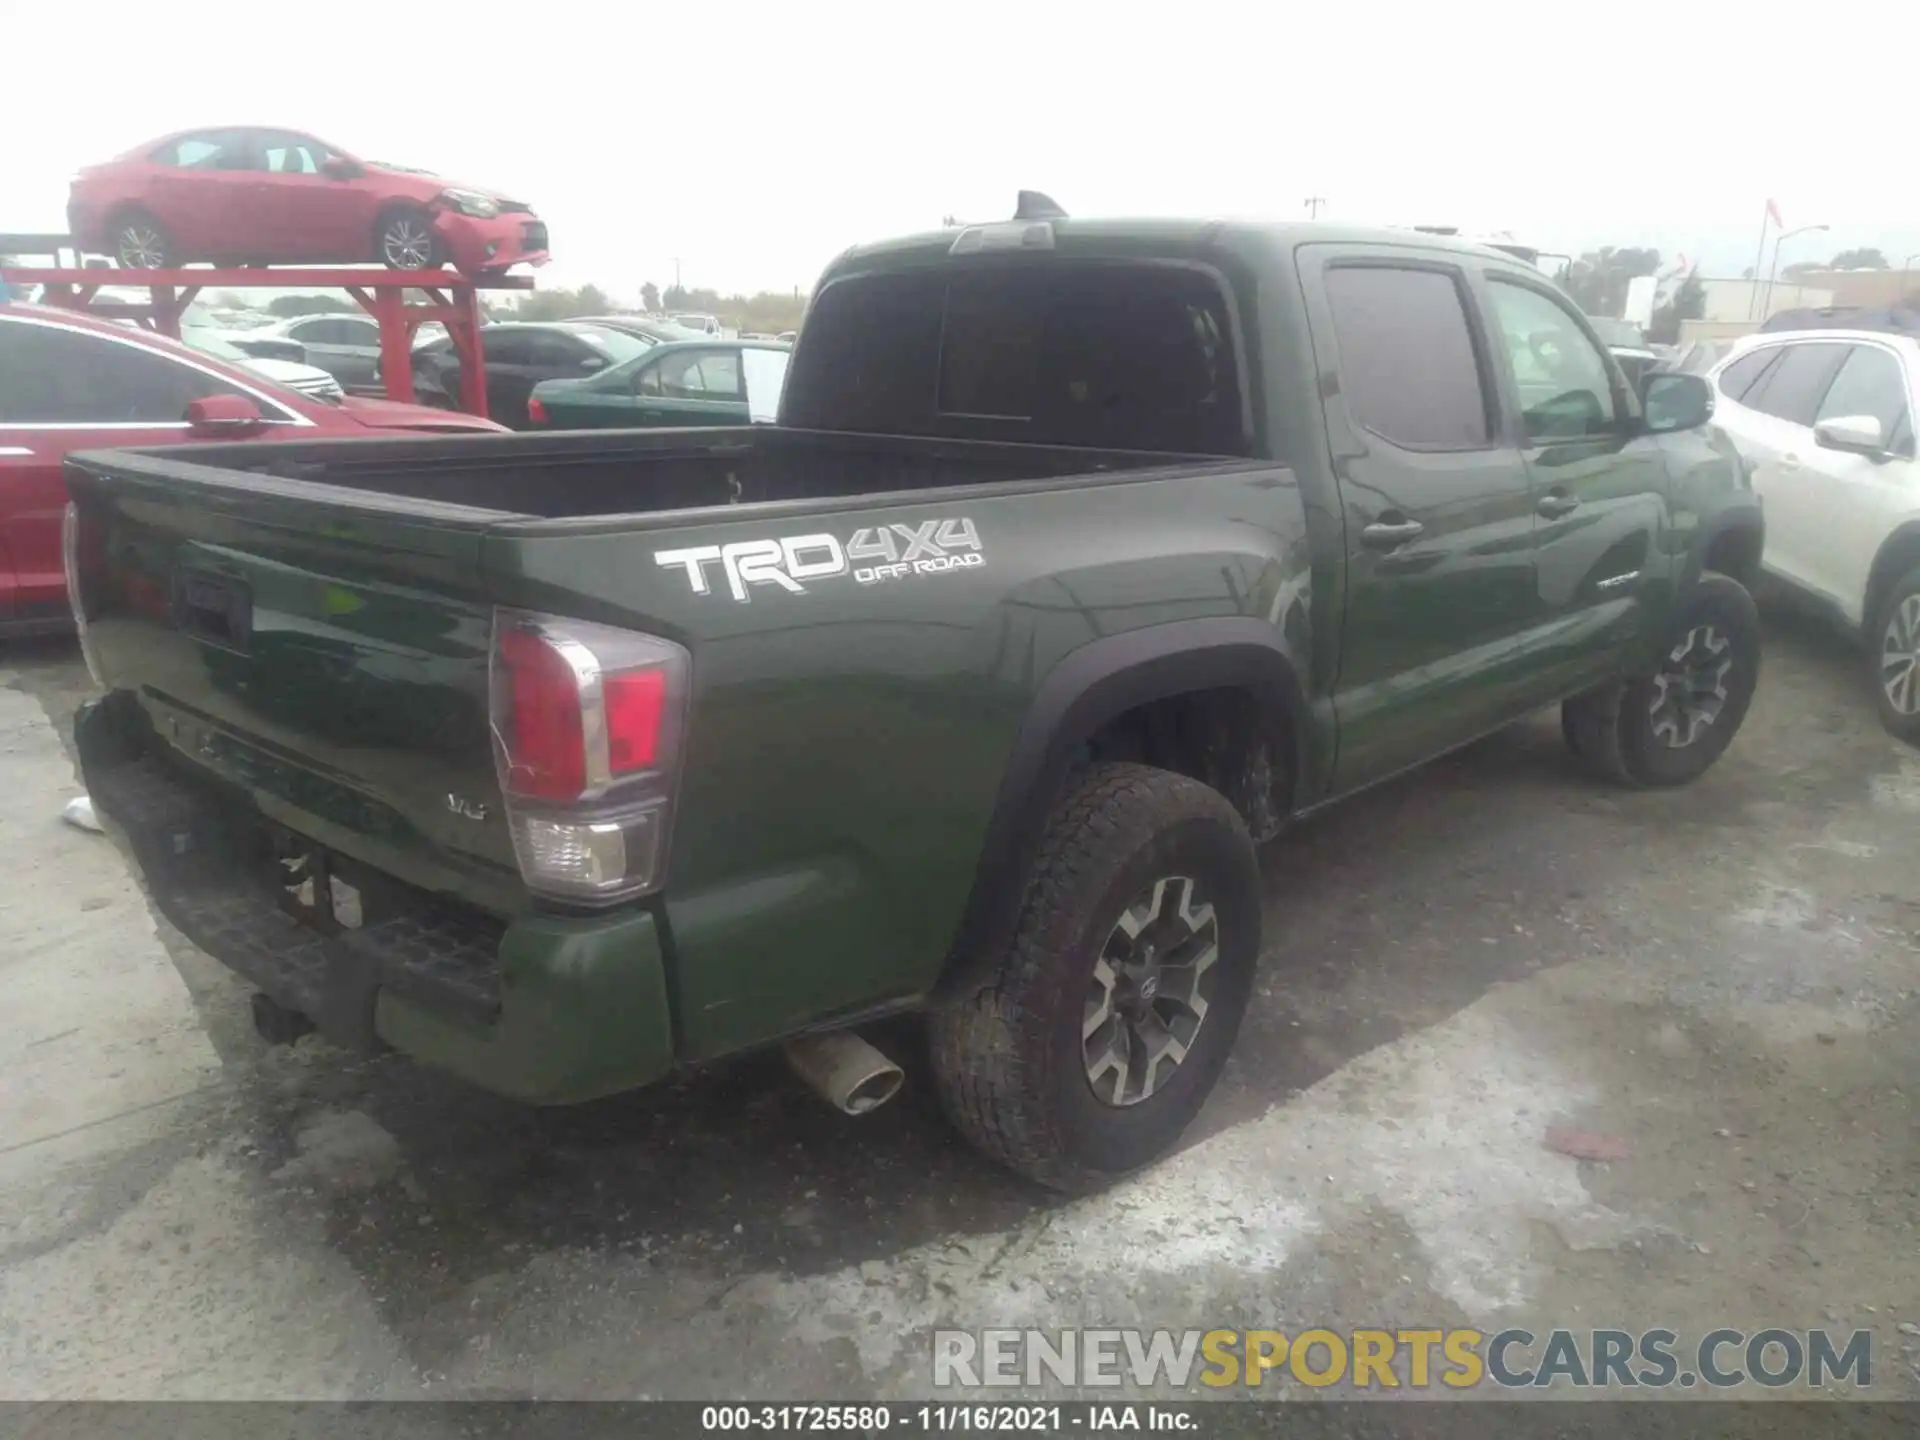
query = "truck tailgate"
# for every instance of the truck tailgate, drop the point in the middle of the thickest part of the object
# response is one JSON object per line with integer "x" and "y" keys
{"x": 327, "y": 652}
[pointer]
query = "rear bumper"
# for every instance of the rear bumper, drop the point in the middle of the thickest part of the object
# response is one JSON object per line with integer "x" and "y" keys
{"x": 546, "y": 1009}
{"x": 474, "y": 244}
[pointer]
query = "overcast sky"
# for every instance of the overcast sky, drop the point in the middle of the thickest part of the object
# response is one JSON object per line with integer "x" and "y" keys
{"x": 754, "y": 142}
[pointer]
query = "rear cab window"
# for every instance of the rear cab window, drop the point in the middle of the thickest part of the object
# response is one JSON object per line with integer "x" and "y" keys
{"x": 1101, "y": 354}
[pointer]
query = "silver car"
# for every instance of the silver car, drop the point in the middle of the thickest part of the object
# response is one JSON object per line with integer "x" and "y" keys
{"x": 347, "y": 347}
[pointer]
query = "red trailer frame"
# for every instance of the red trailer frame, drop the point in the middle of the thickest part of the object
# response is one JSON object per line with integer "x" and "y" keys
{"x": 452, "y": 300}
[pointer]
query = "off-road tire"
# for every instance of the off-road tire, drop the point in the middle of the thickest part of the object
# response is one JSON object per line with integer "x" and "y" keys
{"x": 1612, "y": 728}
{"x": 1903, "y": 727}
{"x": 1007, "y": 1045}
{"x": 159, "y": 248}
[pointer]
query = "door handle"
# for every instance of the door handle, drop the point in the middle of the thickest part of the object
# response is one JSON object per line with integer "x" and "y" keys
{"x": 1554, "y": 506}
{"x": 1390, "y": 534}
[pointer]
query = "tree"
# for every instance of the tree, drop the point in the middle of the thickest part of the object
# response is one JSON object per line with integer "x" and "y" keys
{"x": 650, "y": 296}
{"x": 1865, "y": 257}
{"x": 1598, "y": 280}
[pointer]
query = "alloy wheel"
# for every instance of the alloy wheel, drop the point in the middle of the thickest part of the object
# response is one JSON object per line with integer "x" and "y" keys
{"x": 1149, "y": 992}
{"x": 406, "y": 244}
{"x": 141, "y": 247}
{"x": 1691, "y": 687}
{"x": 1900, "y": 657}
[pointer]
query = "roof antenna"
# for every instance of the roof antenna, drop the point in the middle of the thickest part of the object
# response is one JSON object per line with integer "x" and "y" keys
{"x": 1033, "y": 205}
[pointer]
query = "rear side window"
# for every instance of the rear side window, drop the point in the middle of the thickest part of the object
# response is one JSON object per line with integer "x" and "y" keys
{"x": 506, "y": 347}
{"x": 1870, "y": 382}
{"x": 1407, "y": 366}
{"x": 207, "y": 150}
{"x": 1739, "y": 376}
{"x": 51, "y": 376}
{"x": 1792, "y": 390}
{"x": 1101, "y": 355}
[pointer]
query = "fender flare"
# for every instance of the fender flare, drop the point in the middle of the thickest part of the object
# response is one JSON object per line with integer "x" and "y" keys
{"x": 1741, "y": 516}
{"x": 1092, "y": 686}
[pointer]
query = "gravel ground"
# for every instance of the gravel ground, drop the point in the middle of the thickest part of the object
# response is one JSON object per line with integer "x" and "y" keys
{"x": 1725, "y": 981}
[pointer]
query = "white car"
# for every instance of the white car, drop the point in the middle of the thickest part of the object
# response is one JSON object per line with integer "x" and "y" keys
{"x": 308, "y": 380}
{"x": 1824, "y": 421}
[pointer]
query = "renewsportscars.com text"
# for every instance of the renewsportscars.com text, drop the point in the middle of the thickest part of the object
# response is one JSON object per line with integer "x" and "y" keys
{"x": 1370, "y": 1359}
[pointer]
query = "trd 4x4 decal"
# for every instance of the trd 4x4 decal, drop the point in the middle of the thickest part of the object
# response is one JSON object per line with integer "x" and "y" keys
{"x": 871, "y": 555}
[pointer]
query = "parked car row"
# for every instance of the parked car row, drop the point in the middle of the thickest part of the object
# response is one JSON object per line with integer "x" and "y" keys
{"x": 608, "y": 371}
{"x": 73, "y": 382}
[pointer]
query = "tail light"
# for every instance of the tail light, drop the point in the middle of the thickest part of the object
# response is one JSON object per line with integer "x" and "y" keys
{"x": 81, "y": 555}
{"x": 536, "y": 412}
{"x": 587, "y": 723}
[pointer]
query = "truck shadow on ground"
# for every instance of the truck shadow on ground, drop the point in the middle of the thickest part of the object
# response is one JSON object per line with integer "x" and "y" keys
{"x": 1386, "y": 915}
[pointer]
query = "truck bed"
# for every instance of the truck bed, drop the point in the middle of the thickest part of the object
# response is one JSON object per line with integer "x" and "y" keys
{"x": 603, "y": 473}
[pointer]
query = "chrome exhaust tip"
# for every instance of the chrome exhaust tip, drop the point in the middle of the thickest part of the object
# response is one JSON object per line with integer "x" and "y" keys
{"x": 844, "y": 1070}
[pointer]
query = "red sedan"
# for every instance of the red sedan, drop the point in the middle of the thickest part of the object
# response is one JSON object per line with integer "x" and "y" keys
{"x": 275, "y": 197}
{"x": 70, "y": 382}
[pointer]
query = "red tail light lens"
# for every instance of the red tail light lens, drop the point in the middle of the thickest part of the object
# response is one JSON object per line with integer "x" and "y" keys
{"x": 586, "y": 721}
{"x": 636, "y": 703}
{"x": 542, "y": 726}
{"x": 536, "y": 412}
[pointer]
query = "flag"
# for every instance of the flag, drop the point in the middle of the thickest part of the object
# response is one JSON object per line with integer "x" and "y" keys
{"x": 1773, "y": 214}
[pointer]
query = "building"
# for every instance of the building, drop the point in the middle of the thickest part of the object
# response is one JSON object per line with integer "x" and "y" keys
{"x": 1872, "y": 288}
{"x": 1737, "y": 301}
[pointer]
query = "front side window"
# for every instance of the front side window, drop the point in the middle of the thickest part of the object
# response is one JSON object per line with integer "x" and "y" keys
{"x": 1870, "y": 382}
{"x": 54, "y": 376}
{"x": 1793, "y": 389}
{"x": 1565, "y": 385}
{"x": 1407, "y": 366}
{"x": 288, "y": 154}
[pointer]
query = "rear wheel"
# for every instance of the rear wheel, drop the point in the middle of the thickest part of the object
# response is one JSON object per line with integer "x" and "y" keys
{"x": 139, "y": 243}
{"x": 1895, "y": 649}
{"x": 1083, "y": 1050}
{"x": 403, "y": 239}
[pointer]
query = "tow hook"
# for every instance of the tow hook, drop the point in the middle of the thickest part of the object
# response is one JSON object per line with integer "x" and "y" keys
{"x": 277, "y": 1024}
{"x": 844, "y": 1070}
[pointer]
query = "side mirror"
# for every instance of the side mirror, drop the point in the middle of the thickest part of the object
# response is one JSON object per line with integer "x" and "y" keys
{"x": 224, "y": 416}
{"x": 1675, "y": 402}
{"x": 338, "y": 167}
{"x": 1856, "y": 434}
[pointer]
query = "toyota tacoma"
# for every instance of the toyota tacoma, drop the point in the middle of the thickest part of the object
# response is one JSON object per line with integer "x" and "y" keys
{"x": 1085, "y": 556}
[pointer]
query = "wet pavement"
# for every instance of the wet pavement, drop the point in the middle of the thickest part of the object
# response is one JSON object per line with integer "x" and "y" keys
{"x": 1726, "y": 979}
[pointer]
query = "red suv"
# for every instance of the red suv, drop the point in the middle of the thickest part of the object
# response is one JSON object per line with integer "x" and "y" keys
{"x": 69, "y": 382}
{"x": 274, "y": 197}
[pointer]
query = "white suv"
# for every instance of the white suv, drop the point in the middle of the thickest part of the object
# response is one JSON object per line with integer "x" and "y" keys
{"x": 1825, "y": 422}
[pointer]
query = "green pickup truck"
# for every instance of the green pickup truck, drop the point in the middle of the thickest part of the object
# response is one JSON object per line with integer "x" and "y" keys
{"x": 1084, "y": 557}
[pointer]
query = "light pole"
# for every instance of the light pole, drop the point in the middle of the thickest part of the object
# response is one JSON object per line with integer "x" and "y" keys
{"x": 1766, "y": 306}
